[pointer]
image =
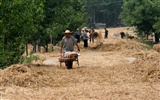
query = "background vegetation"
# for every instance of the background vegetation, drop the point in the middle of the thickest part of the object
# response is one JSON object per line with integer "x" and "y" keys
{"x": 41, "y": 22}
{"x": 144, "y": 15}
{"x": 38, "y": 22}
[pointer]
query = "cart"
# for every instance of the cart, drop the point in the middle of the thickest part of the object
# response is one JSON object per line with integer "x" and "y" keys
{"x": 69, "y": 59}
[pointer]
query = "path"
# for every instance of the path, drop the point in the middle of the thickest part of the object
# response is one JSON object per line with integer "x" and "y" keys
{"x": 115, "y": 70}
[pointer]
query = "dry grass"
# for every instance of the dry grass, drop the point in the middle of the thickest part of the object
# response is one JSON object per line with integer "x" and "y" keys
{"x": 105, "y": 73}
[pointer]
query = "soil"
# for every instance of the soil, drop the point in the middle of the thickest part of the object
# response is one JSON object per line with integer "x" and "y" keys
{"x": 110, "y": 69}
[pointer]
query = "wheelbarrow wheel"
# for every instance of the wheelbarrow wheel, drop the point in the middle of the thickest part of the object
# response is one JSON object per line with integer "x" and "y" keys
{"x": 69, "y": 64}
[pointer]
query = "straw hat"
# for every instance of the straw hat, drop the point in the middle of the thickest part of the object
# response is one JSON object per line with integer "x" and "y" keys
{"x": 67, "y": 31}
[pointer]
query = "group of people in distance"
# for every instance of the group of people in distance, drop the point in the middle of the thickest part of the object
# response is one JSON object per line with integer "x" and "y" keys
{"x": 84, "y": 35}
{"x": 71, "y": 39}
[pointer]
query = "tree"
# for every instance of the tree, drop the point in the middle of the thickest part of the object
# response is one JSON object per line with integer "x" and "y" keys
{"x": 143, "y": 14}
{"x": 27, "y": 21}
{"x": 20, "y": 19}
{"x": 59, "y": 16}
{"x": 104, "y": 11}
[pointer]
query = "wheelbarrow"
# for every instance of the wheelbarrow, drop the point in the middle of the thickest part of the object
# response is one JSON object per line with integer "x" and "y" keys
{"x": 69, "y": 58}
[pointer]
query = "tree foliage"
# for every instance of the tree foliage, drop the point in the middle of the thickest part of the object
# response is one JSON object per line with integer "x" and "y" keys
{"x": 28, "y": 21}
{"x": 62, "y": 15}
{"x": 144, "y": 14}
{"x": 20, "y": 19}
{"x": 104, "y": 11}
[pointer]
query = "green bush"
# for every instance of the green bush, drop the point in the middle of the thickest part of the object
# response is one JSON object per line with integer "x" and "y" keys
{"x": 27, "y": 60}
{"x": 8, "y": 58}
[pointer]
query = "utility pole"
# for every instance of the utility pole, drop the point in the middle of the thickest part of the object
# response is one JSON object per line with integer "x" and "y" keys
{"x": 94, "y": 16}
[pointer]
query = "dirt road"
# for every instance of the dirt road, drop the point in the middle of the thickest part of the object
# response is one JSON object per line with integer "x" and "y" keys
{"x": 115, "y": 69}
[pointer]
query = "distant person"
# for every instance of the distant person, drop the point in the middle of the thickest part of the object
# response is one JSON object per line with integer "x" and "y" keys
{"x": 91, "y": 35}
{"x": 106, "y": 33}
{"x": 81, "y": 36}
{"x": 85, "y": 38}
{"x": 122, "y": 35}
{"x": 73, "y": 34}
{"x": 77, "y": 35}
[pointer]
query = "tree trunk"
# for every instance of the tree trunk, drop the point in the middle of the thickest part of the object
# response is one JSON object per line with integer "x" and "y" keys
{"x": 51, "y": 40}
{"x": 34, "y": 46}
{"x": 94, "y": 16}
{"x": 147, "y": 36}
{"x": 39, "y": 47}
{"x": 46, "y": 48}
{"x": 4, "y": 42}
{"x": 26, "y": 48}
{"x": 156, "y": 37}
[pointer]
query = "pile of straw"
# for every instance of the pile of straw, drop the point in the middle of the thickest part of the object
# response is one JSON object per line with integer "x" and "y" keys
{"x": 120, "y": 46}
{"x": 148, "y": 64}
{"x": 21, "y": 75}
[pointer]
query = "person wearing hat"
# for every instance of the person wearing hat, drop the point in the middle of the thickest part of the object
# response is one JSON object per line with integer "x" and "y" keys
{"x": 67, "y": 44}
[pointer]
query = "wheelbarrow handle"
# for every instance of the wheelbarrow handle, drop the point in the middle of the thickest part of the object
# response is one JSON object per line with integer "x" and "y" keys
{"x": 61, "y": 55}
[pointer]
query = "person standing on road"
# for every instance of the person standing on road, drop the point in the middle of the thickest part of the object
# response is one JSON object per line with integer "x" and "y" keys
{"x": 106, "y": 33}
{"x": 122, "y": 35}
{"x": 91, "y": 35}
{"x": 67, "y": 45}
{"x": 85, "y": 38}
{"x": 77, "y": 35}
